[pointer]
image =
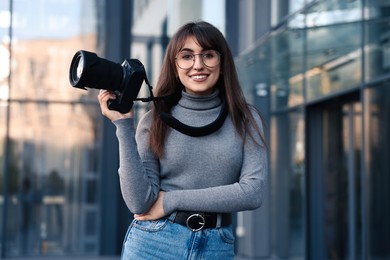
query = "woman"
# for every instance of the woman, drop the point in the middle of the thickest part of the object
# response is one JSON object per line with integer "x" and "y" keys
{"x": 183, "y": 180}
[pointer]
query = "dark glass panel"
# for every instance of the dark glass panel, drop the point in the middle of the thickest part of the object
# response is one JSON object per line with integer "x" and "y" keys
{"x": 342, "y": 149}
{"x": 377, "y": 39}
{"x": 287, "y": 180}
{"x": 377, "y": 114}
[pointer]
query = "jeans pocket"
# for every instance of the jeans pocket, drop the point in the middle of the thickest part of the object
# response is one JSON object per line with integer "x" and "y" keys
{"x": 226, "y": 234}
{"x": 150, "y": 225}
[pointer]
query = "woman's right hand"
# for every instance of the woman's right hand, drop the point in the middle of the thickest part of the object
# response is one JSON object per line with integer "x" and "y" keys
{"x": 103, "y": 97}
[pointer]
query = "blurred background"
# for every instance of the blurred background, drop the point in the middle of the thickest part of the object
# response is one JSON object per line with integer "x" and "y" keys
{"x": 318, "y": 70}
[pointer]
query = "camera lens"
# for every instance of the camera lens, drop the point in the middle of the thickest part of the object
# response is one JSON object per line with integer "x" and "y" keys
{"x": 87, "y": 70}
{"x": 78, "y": 67}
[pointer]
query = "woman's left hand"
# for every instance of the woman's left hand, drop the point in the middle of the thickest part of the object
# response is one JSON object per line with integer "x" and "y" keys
{"x": 155, "y": 212}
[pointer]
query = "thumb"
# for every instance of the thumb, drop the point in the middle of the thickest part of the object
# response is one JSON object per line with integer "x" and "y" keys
{"x": 140, "y": 216}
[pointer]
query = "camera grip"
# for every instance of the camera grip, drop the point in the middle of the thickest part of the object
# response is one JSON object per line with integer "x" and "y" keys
{"x": 123, "y": 108}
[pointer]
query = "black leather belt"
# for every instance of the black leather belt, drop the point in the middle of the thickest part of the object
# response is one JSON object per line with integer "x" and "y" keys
{"x": 199, "y": 221}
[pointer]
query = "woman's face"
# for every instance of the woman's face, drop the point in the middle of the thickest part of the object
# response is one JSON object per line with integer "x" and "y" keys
{"x": 198, "y": 79}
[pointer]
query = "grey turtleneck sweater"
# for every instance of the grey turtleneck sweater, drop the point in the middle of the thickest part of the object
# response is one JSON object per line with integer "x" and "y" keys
{"x": 214, "y": 173}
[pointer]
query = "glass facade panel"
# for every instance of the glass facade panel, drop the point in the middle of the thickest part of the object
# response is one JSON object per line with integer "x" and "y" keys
{"x": 254, "y": 73}
{"x": 275, "y": 67}
{"x": 44, "y": 42}
{"x": 284, "y": 8}
{"x": 342, "y": 149}
{"x": 4, "y": 53}
{"x": 317, "y": 60}
{"x": 377, "y": 39}
{"x": 377, "y": 154}
{"x": 322, "y": 12}
{"x": 3, "y": 129}
{"x": 288, "y": 184}
{"x": 333, "y": 47}
{"x": 333, "y": 59}
{"x": 51, "y": 167}
{"x": 319, "y": 46}
{"x": 5, "y": 19}
{"x": 286, "y": 68}
{"x": 48, "y": 184}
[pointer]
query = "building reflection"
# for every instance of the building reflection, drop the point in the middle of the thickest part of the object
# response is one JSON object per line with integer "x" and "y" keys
{"x": 54, "y": 138}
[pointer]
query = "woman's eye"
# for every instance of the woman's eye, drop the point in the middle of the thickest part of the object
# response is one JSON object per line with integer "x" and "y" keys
{"x": 208, "y": 56}
{"x": 187, "y": 56}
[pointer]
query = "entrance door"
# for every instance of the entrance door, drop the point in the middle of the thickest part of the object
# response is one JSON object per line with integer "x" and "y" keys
{"x": 334, "y": 147}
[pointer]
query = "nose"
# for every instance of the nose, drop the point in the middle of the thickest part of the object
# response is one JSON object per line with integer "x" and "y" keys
{"x": 198, "y": 63}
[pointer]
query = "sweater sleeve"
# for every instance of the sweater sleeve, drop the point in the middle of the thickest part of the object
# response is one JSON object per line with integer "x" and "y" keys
{"x": 139, "y": 179}
{"x": 246, "y": 194}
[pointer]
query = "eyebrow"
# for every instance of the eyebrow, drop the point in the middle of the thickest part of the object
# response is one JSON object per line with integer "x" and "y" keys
{"x": 187, "y": 49}
{"x": 191, "y": 50}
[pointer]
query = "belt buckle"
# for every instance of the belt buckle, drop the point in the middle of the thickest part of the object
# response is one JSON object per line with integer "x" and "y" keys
{"x": 195, "y": 222}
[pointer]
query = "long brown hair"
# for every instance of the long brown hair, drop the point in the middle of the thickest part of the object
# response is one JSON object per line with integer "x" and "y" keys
{"x": 209, "y": 37}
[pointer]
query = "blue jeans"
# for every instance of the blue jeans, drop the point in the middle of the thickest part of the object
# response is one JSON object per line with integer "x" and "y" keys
{"x": 163, "y": 239}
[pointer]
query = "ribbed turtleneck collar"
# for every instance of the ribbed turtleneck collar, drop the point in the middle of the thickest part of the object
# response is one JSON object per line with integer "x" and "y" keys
{"x": 196, "y": 102}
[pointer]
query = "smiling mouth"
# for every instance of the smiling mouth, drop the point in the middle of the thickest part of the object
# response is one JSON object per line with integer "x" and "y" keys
{"x": 198, "y": 77}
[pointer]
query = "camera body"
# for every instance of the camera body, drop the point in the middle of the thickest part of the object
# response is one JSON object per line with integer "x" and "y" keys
{"x": 133, "y": 77}
{"x": 87, "y": 70}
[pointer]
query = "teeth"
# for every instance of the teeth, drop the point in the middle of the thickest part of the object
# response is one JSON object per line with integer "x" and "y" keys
{"x": 199, "y": 77}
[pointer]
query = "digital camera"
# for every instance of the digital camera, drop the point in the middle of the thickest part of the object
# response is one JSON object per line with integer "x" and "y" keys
{"x": 87, "y": 70}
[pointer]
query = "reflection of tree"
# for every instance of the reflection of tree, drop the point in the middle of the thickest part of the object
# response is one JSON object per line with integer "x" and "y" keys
{"x": 26, "y": 213}
{"x": 12, "y": 170}
{"x": 52, "y": 225}
{"x": 55, "y": 183}
{"x": 296, "y": 200}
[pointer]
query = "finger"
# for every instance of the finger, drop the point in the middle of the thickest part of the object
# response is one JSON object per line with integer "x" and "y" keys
{"x": 105, "y": 96}
{"x": 104, "y": 92}
{"x": 140, "y": 217}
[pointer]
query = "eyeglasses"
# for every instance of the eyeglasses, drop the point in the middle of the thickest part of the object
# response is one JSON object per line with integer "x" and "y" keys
{"x": 185, "y": 60}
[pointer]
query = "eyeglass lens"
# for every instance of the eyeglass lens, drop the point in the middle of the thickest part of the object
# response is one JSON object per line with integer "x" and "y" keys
{"x": 186, "y": 60}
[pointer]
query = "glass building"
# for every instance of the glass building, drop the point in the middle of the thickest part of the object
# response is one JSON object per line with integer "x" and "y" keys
{"x": 318, "y": 70}
{"x": 51, "y": 137}
{"x": 324, "y": 67}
